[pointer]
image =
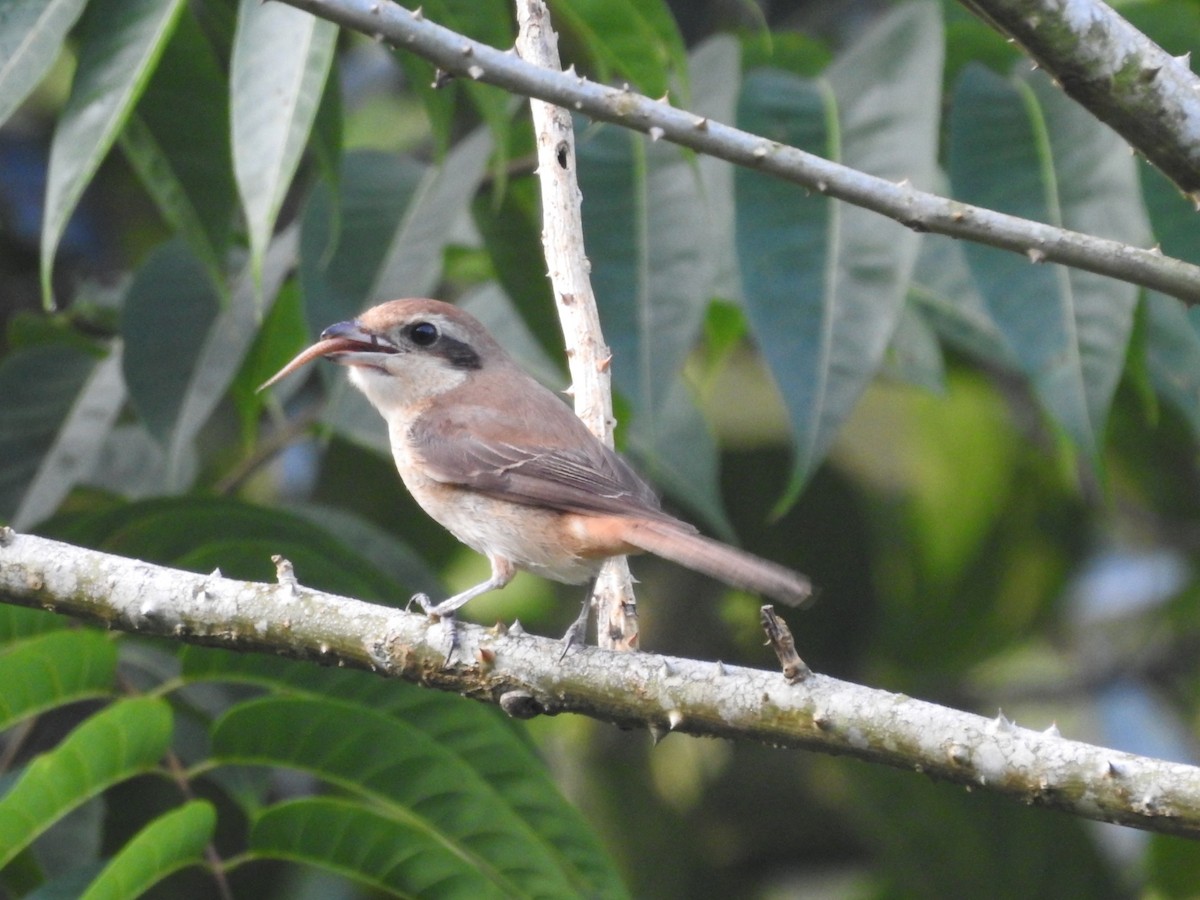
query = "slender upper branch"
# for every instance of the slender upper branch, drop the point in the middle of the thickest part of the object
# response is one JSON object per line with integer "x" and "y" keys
{"x": 1146, "y": 95}
{"x": 916, "y": 209}
{"x": 526, "y": 676}
{"x": 566, "y": 261}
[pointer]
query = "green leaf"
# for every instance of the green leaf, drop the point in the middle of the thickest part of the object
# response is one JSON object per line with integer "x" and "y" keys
{"x": 39, "y": 386}
{"x": 343, "y": 246}
{"x": 31, "y": 35}
{"x": 183, "y": 351}
{"x": 943, "y": 292}
{"x": 477, "y": 736}
{"x": 173, "y": 841}
{"x": 489, "y": 21}
{"x": 646, "y": 243}
{"x": 52, "y": 669}
{"x": 120, "y": 42}
{"x": 170, "y": 303}
{"x": 178, "y": 143}
{"x": 823, "y": 281}
{"x": 77, "y": 447}
{"x": 378, "y": 848}
{"x": 413, "y": 776}
{"x": 19, "y": 622}
{"x": 914, "y": 354}
{"x": 412, "y": 261}
{"x": 203, "y": 533}
{"x": 636, "y": 39}
{"x": 281, "y": 59}
{"x": 1173, "y": 355}
{"x": 123, "y": 740}
{"x": 659, "y": 247}
{"x": 511, "y": 232}
{"x": 1019, "y": 146}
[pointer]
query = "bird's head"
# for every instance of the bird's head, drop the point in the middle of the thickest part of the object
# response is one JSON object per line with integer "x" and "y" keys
{"x": 403, "y": 352}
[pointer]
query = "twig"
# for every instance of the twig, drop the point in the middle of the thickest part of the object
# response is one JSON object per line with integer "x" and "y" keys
{"x": 919, "y": 210}
{"x": 526, "y": 675}
{"x": 779, "y": 639}
{"x": 566, "y": 259}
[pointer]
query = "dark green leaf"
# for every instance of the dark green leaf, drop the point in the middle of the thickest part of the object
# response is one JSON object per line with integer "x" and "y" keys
{"x": 1020, "y": 147}
{"x": 201, "y": 533}
{"x": 637, "y": 41}
{"x": 79, "y": 442}
{"x": 342, "y": 249}
{"x": 380, "y": 848}
{"x": 178, "y": 142}
{"x": 170, "y": 304}
{"x": 39, "y": 386}
{"x": 824, "y": 282}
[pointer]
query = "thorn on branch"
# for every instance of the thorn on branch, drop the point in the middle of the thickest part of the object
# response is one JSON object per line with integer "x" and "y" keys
{"x": 441, "y": 78}
{"x": 780, "y": 639}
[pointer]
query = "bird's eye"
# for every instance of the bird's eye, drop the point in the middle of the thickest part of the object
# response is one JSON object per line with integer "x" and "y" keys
{"x": 423, "y": 333}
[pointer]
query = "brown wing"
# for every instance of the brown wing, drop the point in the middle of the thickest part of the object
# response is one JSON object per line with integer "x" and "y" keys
{"x": 558, "y": 463}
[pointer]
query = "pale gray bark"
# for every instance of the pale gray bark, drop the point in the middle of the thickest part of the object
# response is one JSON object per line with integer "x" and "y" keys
{"x": 528, "y": 676}
{"x": 920, "y": 210}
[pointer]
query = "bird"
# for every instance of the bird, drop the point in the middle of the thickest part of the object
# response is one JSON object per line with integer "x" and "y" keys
{"x": 505, "y": 465}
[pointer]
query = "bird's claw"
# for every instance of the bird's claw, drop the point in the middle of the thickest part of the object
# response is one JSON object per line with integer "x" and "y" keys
{"x": 447, "y": 618}
{"x": 576, "y": 634}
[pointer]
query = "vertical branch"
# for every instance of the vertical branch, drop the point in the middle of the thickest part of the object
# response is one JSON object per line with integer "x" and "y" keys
{"x": 587, "y": 355}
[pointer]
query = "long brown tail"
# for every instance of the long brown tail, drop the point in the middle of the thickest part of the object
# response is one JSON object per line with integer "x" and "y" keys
{"x": 720, "y": 561}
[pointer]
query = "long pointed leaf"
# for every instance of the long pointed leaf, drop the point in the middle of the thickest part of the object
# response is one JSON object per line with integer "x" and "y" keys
{"x": 389, "y": 853}
{"x": 77, "y": 446}
{"x": 126, "y": 738}
{"x": 120, "y": 43}
{"x": 178, "y": 143}
{"x": 31, "y": 33}
{"x": 52, "y": 669}
{"x": 824, "y": 281}
{"x": 482, "y": 741}
{"x": 39, "y": 386}
{"x": 173, "y": 841}
{"x": 1018, "y": 146}
{"x": 409, "y": 776}
{"x": 413, "y": 261}
{"x": 281, "y": 59}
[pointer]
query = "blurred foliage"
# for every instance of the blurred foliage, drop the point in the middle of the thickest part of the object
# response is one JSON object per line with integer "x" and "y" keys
{"x": 988, "y": 466}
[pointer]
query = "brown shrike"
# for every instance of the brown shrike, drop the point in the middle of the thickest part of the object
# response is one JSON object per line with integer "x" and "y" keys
{"x": 505, "y": 465}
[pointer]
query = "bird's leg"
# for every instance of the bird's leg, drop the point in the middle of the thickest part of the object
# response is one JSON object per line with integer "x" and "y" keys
{"x": 577, "y": 633}
{"x": 502, "y": 573}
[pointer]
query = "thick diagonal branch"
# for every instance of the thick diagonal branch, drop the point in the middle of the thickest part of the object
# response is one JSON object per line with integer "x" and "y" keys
{"x": 1150, "y": 98}
{"x": 528, "y": 676}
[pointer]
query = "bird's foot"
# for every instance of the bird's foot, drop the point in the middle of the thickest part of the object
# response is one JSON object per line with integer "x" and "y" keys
{"x": 445, "y": 616}
{"x": 576, "y": 634}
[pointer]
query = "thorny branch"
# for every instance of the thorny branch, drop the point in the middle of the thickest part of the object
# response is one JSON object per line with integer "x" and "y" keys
{"x": 922, "y": 211}
{"x": 527, "y": 676}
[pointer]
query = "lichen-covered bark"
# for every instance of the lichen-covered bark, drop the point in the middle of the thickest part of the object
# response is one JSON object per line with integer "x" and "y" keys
{"x": 1149, "y": 97}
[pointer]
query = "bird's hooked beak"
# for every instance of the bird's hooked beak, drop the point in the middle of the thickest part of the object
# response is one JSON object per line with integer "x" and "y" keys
{"x": 346, "y": 343}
